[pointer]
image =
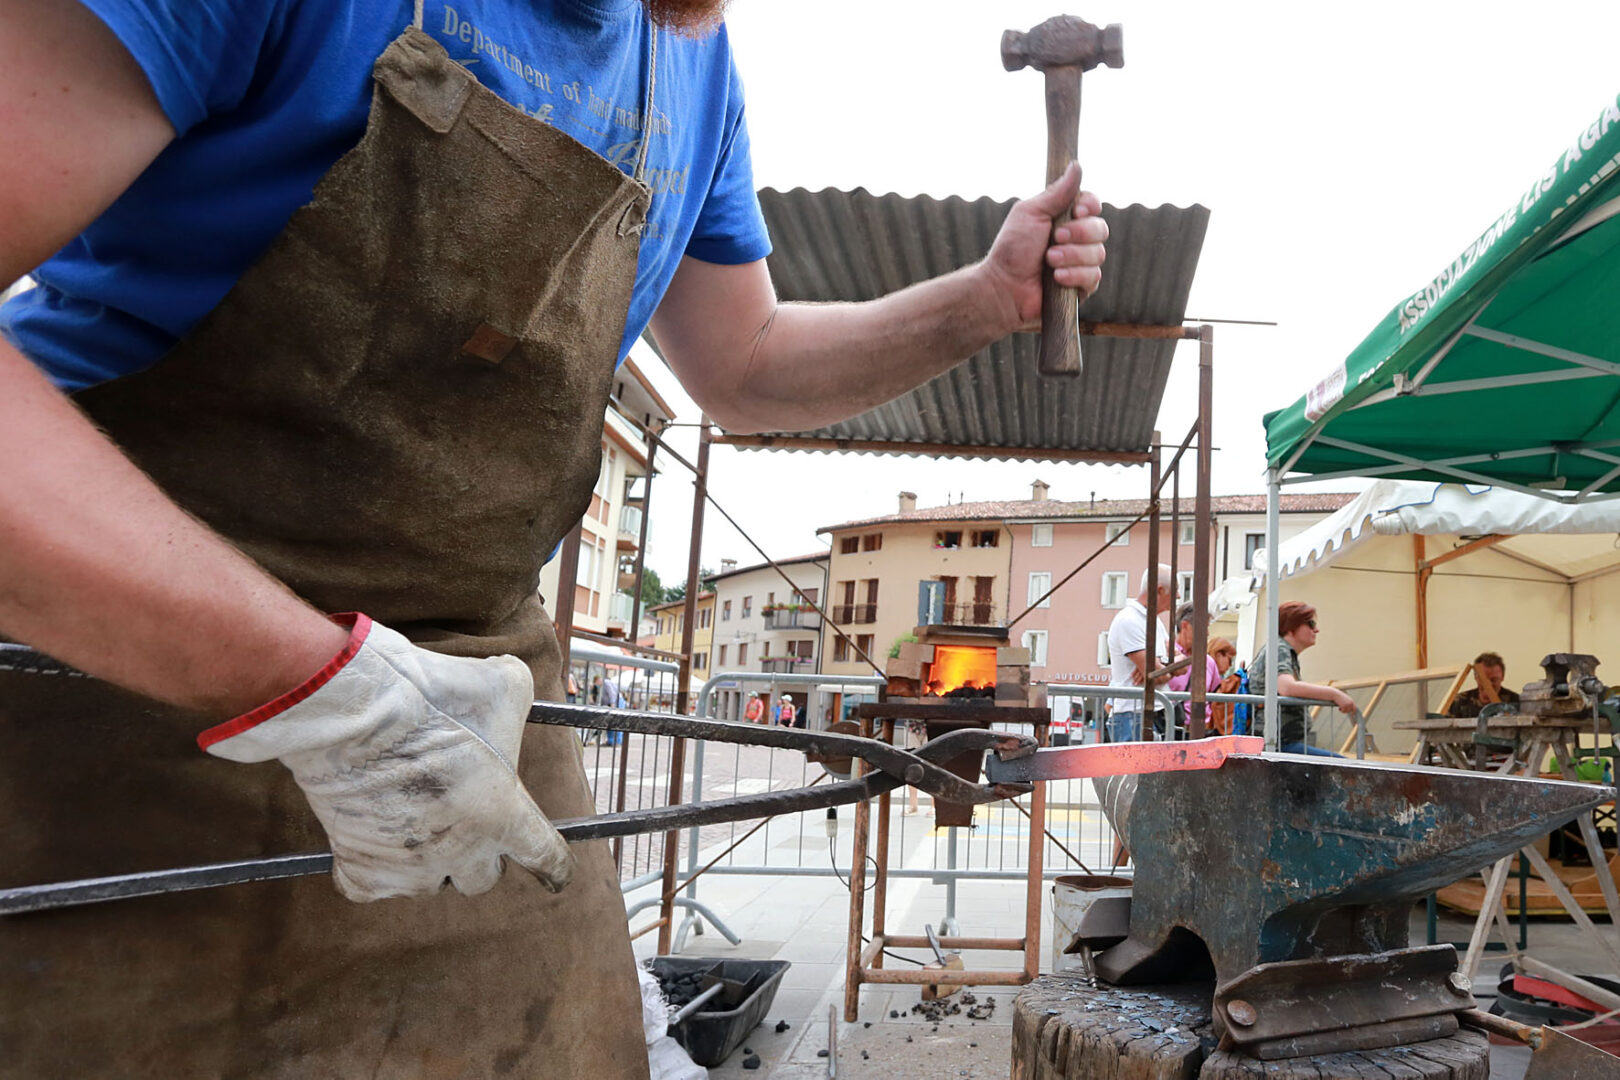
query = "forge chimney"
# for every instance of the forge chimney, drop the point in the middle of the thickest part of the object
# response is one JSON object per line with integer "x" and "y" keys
{"x": 727, "y": 565}
{"x": 908, "y": 501}
{"x": 1038, "y": 490}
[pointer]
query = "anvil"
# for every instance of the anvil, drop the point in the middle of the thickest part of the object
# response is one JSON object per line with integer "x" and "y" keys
{"x": 1280, "y": 857}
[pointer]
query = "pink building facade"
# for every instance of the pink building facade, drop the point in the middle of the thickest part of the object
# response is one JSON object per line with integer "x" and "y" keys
{"x": 1067, "y": 634}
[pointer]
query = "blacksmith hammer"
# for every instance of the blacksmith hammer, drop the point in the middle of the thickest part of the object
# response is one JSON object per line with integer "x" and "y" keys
{"x": 1063, "y": 47}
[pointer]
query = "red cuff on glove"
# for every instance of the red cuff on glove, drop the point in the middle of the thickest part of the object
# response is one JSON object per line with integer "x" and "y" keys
{"x": 359, "y": 626}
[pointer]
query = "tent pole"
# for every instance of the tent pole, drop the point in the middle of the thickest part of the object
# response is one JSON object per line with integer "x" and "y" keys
{"x": 1273, "y": 528}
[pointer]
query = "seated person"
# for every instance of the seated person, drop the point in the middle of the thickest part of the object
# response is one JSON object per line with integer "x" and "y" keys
{"x": 1489, "y": 670}
{"x": 1296, "y": 631}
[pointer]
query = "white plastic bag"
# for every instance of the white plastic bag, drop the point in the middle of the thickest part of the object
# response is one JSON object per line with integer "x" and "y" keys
{"x": 667, "y": 1061}
{"x": 654, "y": 1009}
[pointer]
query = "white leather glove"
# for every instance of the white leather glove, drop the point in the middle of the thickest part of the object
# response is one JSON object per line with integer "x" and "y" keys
{"x": 409, "y": 760}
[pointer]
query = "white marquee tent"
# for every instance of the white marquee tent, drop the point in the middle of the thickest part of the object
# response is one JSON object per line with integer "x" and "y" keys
{"x": 1416, "y": 574}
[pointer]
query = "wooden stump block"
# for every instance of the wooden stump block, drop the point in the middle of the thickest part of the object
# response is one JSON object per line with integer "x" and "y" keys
{"x": 1065, "y": 1030}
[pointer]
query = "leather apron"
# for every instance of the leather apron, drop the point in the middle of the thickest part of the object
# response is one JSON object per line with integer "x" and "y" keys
{"x": 397, "y": 410}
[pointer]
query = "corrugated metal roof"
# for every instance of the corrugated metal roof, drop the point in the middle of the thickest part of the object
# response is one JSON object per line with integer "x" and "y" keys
{"x": 852, "y": 245}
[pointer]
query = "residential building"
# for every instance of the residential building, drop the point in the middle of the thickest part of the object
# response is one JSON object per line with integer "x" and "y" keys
{"x": 670, "y": 620}
{"x": 877, "y": 566}
{"x": 610, "y": 531}
{"x": 765, "y": 624}
{"x": 1067, "y": 634}
{"x": 992, "y": 560}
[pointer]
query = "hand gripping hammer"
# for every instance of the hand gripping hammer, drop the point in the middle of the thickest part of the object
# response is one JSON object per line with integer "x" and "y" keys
{"x": 1063, "y": 47}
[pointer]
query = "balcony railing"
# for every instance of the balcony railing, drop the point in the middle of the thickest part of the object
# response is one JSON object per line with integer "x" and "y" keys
{"x": 787, "y": 619}
{"x": 854, "y": 613}
{"x": 630, "y": 521}
{"x": 783, "y": 665}
{"x": 620, "y": 607}
{"x": 972, "y": 613}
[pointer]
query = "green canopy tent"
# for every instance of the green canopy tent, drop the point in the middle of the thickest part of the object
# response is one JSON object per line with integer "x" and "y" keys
{"x": 1503, "y": 369}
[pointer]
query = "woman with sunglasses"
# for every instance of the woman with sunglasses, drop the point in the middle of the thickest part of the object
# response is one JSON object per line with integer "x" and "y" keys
{"x": 1296, "y": 631}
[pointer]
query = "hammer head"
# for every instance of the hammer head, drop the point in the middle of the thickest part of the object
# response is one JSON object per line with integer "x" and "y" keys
{"x": 1063, "y": 41}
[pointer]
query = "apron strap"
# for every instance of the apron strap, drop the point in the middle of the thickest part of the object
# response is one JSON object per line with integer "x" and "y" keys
{"x": 647, "y": 110}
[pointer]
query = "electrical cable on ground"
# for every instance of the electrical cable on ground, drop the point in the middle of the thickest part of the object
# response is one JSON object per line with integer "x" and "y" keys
{"x": 833, "y": 859}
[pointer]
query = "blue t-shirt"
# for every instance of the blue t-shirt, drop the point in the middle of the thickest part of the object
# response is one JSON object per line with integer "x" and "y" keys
{"x": 266, "y": 95}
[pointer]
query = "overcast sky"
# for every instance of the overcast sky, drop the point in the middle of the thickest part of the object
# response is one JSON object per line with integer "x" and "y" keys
{"x": 1346, "y": 152}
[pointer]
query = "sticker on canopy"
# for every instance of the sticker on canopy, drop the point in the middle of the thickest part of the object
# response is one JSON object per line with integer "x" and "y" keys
{"x": 1325, "y": 394}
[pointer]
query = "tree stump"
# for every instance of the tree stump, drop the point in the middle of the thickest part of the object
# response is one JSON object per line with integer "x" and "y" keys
{"x": 1066, "y": 1030}
{"x": 1463, "y": 1056}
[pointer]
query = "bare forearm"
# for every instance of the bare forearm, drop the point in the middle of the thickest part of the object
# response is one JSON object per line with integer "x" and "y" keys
{"x": 1287, "y": 686}
{"x": 99, "y": 569}
{"x": 816, "y": 364}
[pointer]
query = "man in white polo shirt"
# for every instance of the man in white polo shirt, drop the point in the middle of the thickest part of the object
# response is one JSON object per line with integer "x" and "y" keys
{"x": 1127, "y": 654}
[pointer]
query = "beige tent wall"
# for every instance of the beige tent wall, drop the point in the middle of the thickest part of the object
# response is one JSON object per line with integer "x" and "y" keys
{"x": 1488, "y": 601}
{"x": 1597, "y": 623}
{"x": 1366, "y": 602}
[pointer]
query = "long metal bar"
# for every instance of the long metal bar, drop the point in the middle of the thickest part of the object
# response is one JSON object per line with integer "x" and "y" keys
{"x": 624, "y": 645}
{"x": 1175, "y": 553}
{"x": 1461, "y": 474}
{"x": 1150, "y": 645}
{"x": 24, "y": 899}
{"x": 1087, "y": 562}
{"x": 1119, "y": 759}
{"x": 1551, "y": 352}
{"x": 1137, "y": 330}
{"x": 1166, "y": 468}
{"x": 1273, "y": 579}
{"x": 1464, "y": 459}
{"x": 1495, "y": 382}
{"x": 1166, "y": 697}
{"x": 641, "y": 550}
{"x": 857, "y": 894}
{"x": 1201, "y": 519}
{"x": 677, "y": 756}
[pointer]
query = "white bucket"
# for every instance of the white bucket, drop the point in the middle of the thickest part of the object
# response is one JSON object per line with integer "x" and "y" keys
{"x": 1072, "y": 894}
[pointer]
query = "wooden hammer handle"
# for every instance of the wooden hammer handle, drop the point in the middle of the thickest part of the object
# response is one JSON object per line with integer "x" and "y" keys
{"x": 1060, "y": 306}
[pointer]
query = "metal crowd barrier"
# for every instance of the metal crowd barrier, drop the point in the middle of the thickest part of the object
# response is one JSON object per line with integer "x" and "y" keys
{"x": 1079, "y": 839}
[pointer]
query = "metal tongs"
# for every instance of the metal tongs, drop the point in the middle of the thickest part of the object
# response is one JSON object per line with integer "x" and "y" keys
{"x": 1012, "y": 765}
{"x": 889, "y": 768}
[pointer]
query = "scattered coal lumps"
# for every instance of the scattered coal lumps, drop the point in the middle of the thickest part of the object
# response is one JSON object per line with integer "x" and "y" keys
{"x": 781, "y": 1026}
{"x": 751, "y": 1061}
{"x": 822, "y": 1052}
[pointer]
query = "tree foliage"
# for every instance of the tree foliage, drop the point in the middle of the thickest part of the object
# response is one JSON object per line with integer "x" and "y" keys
{"x": 678, "y": 591}
{"x": 652, "y": 589}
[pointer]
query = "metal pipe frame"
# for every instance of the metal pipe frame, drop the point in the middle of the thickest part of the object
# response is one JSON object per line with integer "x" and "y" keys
{"x": 677, "y": 754}
{"x": 1150, "y": 639}
{"x": 866, "y": 965}
{"x": 1273, "y": 531}
{"x": 1202, "y": 555}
